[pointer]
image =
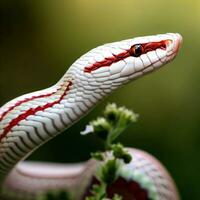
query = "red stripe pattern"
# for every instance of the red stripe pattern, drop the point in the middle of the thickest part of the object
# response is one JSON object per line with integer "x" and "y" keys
{"x": 24, "y": 101}
{"x": 107, "y": 61}
{"x": 32, "y": 111}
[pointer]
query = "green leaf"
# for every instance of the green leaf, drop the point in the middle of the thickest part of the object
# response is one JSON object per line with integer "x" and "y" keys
{"x": 121, "y": 153}
{"x": 111, "y": 113}
{"x": 97, "y": 155}
{"x": 98, "y": 192}
{"x": 109, "y": 171}
{"x": 117, "y": 197}
{"x": 101, "y": 127}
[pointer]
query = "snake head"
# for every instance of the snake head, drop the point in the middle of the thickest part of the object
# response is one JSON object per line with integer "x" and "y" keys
{"x": 111, "y": 65}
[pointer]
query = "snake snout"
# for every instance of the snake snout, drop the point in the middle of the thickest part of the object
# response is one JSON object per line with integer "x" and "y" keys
{"x": 176, "y": 41}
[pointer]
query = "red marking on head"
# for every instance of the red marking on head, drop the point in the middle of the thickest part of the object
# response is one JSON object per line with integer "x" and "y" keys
{"x": 107, "y": 62}
{"x": 32, "y": 111}
{"x": 151, "y": 46}
{"x": 146, "y": 47}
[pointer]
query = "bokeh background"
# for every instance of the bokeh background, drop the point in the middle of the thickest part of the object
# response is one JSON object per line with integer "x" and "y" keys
{"x": 40, "y": 39}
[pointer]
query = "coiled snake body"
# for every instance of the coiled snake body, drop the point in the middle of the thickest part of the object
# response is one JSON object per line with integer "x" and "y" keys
{"x": 32, "y": 119}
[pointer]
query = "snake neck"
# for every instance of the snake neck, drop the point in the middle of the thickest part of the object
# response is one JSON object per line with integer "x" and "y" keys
{"x": 32, "y": 119}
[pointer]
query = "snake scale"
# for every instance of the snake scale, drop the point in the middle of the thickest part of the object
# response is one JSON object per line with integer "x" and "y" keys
{"x": 30, "y": 120}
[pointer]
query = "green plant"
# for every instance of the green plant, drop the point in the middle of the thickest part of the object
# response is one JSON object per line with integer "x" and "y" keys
{"x": 113, "y": 123}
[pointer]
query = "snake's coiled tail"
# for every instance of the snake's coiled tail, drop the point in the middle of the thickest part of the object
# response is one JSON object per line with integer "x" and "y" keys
{"x": 144, "y": 178}
{"x": 32, "y": 119}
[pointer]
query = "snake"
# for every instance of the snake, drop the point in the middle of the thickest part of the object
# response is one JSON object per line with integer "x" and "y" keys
{"x": 29, "y": 121}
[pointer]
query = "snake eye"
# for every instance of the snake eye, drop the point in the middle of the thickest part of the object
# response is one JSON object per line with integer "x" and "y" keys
{"x": 136, "y": 50}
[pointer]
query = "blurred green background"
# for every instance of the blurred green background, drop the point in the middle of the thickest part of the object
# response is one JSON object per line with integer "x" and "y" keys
{"x": 40, "y": 39}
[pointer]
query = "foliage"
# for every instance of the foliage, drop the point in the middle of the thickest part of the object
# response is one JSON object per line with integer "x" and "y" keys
{"x": 108, "y": 128}
{"x": 113, "y": 123}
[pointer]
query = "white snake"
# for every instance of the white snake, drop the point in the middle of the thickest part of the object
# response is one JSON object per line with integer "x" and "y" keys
{"x": 32, "y": 119}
